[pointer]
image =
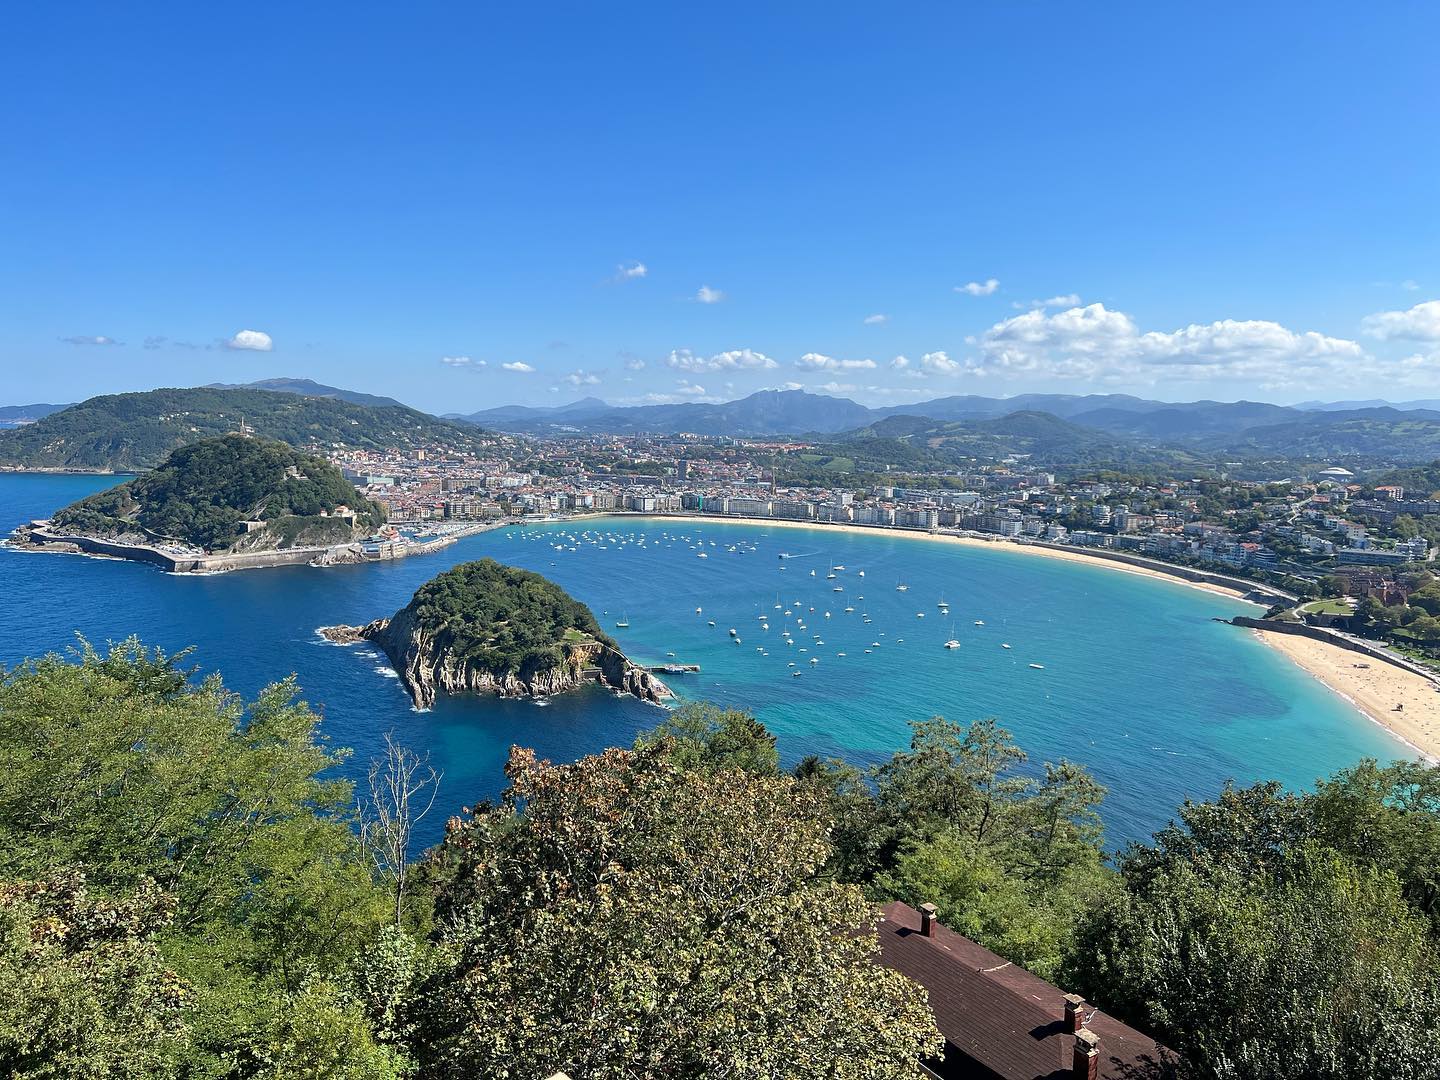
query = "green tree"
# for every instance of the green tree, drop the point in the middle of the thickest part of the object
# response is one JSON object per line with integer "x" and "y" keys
{"x": 637, "y": 920}
{"x": 87, "y": 992}
{"x": 1318, "y": 972}
{"x": 707, "y": 737}
{"x": 119, "y": 767}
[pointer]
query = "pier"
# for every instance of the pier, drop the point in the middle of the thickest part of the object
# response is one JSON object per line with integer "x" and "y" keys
{"x": 671, "y": 669}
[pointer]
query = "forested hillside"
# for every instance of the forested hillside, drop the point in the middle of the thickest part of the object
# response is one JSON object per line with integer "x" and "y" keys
{"x": 121, "y": 432}
{"x": 203, "y": 493}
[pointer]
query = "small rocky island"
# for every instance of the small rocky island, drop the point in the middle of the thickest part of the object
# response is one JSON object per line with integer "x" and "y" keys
{"x": 483, "y": 627}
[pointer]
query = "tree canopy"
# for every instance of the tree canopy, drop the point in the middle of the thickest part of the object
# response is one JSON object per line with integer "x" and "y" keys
{"x": 202, "y": 493}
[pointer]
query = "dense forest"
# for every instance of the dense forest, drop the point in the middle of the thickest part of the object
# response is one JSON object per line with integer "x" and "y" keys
{"x": 203, "y": 492}
{"x": 123, "y": 432}
{"x": 500, "y": 618}
{"x": 186, "y": 890}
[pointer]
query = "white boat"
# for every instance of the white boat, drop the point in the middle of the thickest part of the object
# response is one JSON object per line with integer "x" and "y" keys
{"x": 624, "y": 622}
{"x": 712, "y": 622}
{"x": 1038, "y": 667}
{"x": 732, "y": 631}
{"x": 942, "y": 605}
{"x": 814, "y": 659}
{"x": 697, "y": 611}
{"x": 902, "y": 587}
{"x": 862, "y": 573}
{"x": 952, "y": 644}
{"x": 979, "y": 622}
{"x": 702, "y": 555}
{"x": 795, "y": 673}
{"x": 838, "y": 588}
{"x": 848, "y": 610}
{"x": 1003, "y": 645}
{"x": 919, "y": 614}
{"x": 838, "y": 566}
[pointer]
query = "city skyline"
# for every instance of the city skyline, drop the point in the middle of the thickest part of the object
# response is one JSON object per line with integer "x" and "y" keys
{"x": 463, "y": 210}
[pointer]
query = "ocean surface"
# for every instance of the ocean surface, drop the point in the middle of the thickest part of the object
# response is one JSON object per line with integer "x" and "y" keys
{"x": 1136, "y": 680}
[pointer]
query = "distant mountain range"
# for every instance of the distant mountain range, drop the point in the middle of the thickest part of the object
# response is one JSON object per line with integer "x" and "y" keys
{"x": 137, "y": 430}
{"x": 310, "y": 388}
{"x": 795, "y": 412}
{"x": 15, "y": 415}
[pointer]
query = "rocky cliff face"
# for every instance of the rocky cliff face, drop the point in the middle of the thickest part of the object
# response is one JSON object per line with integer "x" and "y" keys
{"x": 426, "y": 668}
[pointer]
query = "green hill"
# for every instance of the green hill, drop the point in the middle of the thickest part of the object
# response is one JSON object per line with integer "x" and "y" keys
{"x": 122, "y": 432}
{"x": 203, "y": 495}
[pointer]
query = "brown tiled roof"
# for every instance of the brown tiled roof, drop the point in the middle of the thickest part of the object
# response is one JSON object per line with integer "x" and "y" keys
{"x": 1000, "y": 1022}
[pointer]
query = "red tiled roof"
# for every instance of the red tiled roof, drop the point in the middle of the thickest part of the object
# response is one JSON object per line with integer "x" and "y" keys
{"x": 1000, "y": 1022}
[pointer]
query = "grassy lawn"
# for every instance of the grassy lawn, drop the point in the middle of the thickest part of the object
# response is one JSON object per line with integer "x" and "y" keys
{"x": 1327, "y": 607}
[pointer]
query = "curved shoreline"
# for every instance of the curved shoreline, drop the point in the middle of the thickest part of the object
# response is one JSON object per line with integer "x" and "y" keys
{"x": 1371, "y": 692}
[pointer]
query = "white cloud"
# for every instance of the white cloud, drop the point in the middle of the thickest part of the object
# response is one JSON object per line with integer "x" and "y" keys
{"x": 819, "y": 362}
{"x": 836, "y": 388}
{"x": 253, "y": 340}
{"x": 518, "y": 366}
{"x": 1068, "y": 300}
{"x": 876, "y": 320}
{"x": 978, "y": 288}
{"x": 630, "y": 271}
{"x": 1419, "y": 323}
{"x": 707, "y": 295}
{"x": 685, "y": 390}
{"x": 1095, "y": 343}
{"x": 83, "y": 339}
{"x": 461, "y": 362}
{"x": 581, "y": 378}
{"x": 635, "y": 364}
{"x": 1410, "y": 286}
{"x": 791, "y": 386}
{"x": 734, "y": 360}
{"x": 900, "y": 363}
{"x": 939, "y": 363}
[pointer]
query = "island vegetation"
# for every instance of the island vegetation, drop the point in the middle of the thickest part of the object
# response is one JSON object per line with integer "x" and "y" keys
{"x": 129, "y": 432}
{"x": 229, "y": 493}
{"x": 188, "y": 889}
{"x": 484, "y": 627}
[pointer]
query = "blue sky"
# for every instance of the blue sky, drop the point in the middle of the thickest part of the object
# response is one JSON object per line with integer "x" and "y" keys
{"x": 1223, "y": 200}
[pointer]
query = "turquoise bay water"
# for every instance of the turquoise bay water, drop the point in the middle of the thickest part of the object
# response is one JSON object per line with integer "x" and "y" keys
{"x": 1138, "y": 683}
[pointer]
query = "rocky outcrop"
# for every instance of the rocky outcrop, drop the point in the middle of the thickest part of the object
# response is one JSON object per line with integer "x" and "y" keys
{"x": 427, "y": 668}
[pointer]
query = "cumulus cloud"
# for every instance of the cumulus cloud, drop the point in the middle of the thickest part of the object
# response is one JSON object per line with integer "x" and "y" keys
{"x": 1419, "y": 323}
{"x": 581, "y": 378}
{"x": 518, "y": 366}
{"x": 85, "y": 339}
{"x": 939, "y": 363}
{"x": 630, "y": 271}
{"x": 791, "y": 386}
{"x": 812, "y": 361}
{"x": 461, "y": 362}
{"x": 1094, "y": 342}
{"x": 836, "y": 388}
{"x": 900, "y": 363}
{"x": 706, "y": 295}
{"x": 733, "y": 360}
{"x": 876, "y": 320}
{"x": 634, "y": 363}
{"x": 978, "y": 288}
{"x": 250, "y": 340}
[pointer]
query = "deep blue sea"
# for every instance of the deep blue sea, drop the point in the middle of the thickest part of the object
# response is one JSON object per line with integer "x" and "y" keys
{"x": 1136, "y": 682}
